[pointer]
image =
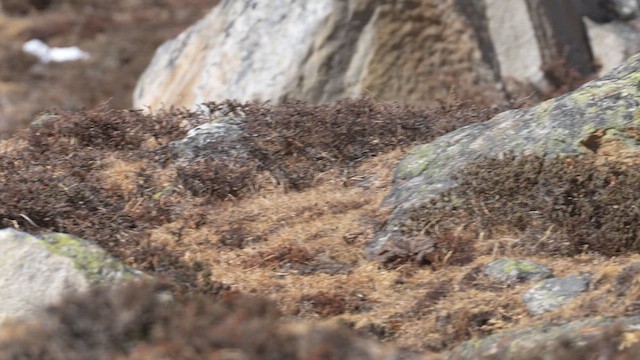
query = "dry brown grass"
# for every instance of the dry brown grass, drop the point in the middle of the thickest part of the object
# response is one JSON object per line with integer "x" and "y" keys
{"x": 101, "y": 174}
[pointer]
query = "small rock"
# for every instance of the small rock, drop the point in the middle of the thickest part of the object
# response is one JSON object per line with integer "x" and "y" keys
{"x": 550, "y": 294}
{"x": 514, "y": 271}
{"x": 554, "y": 341}
{"x": 220, "y": 138}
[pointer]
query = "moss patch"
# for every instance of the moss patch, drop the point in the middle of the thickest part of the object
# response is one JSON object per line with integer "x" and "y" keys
{"x": 94, "y": 262}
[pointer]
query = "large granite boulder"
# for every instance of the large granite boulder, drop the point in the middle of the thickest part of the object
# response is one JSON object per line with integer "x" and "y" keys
{"x": 39, "y": 270}
{"x": 600, "y": 117}
{"x": 319, "y": 51}
{"x": 413, "y": 51}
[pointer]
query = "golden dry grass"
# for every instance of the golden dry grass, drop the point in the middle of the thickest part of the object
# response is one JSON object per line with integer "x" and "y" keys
{"x": 329, "y": 224}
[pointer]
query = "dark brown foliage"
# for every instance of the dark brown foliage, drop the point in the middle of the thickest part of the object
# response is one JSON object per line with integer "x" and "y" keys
{"x": 297, "y": 141}
{"x": 57, "y": 182}
{"x": 139, "y": 321}
{"x": 216, "y": 178}
{"x": 559, "y": 206}
{"x": 435, "y": 293}
{"x": 143, "y": 321}
{"x": 331, "y": 304}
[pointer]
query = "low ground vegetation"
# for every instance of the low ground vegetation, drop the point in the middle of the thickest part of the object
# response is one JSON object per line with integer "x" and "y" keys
{"x": 291, "y": 224}
{"x": 564, "y": 206}
{"x": 287, "y": 225}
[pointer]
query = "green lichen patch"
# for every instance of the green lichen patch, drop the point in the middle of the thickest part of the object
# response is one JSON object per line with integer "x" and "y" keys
{"x": 95, "y": 263}
{"x": 515, "y": 270}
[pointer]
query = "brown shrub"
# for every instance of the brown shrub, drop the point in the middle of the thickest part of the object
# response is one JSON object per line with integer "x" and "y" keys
{"x": 56, "y": 182}
{"x": 559, "y": 206}
{"x": 296, "y": 142}
{"x": 137, "y": 318}
{"x": 142, "y": 321}
{"x": 330, "y": 304}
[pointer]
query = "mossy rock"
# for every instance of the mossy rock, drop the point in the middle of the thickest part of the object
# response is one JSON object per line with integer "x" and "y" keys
{"x": 591, "y": 338}
{"x": 603, "y": 111}
{"x": 512, "y": 271}
{"x": 38, "y": 270}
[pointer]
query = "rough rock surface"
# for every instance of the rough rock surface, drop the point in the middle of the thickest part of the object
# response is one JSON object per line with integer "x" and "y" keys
{"x": 551, "y": 294}
{"x": 39, "y": 270}
{"x": 217, "y": 138}
{"x": 317, "y": 51}
{"x": 600, "y": 117}
{"x": 614, "y": 42}
{"x": 543, "y": 341}
{"x": 607, "y": 10}
{"x": 510, "y": 24}
{"x": 514, "y": 270}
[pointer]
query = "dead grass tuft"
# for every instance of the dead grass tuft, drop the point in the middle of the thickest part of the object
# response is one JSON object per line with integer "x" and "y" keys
{"x": 561, "y": 206}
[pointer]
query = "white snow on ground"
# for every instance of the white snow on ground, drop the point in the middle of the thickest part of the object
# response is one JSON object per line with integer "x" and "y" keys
{"x": 48, "y": 54}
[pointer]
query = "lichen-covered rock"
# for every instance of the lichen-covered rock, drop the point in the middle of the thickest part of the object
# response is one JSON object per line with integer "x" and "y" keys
{"x": 593, "y": 338}
{"x": 551, "y": 294}
{"x": 512, "y": 271}
{"x": 601, "y": 117}
{"x": 38, "y": 270}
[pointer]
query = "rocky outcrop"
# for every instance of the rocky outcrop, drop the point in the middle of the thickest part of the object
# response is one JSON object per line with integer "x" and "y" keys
{"x": 410, "y": 51}
{"x": 600, "y": 117}
{"x": 318, "y": 51}
{"x": 39, "y": 270}
{"x": 593, "y": 338}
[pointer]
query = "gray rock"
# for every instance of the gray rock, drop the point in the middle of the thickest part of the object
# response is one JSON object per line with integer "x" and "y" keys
{"x": 626, "y": 9}
{"x": 561, "y": 35}
{"x": 551, "y": 294}
{"x": 509, "y": 24}
{"x": 614, "y": 42}
{"x": 512, "y": 271}
{"x": 548, "y": 341}
{"x": 317, "y": 51}
{"x": 601, "y": 111}
{"x": 38, "y": 270}
{"x": 218, "y": 138}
